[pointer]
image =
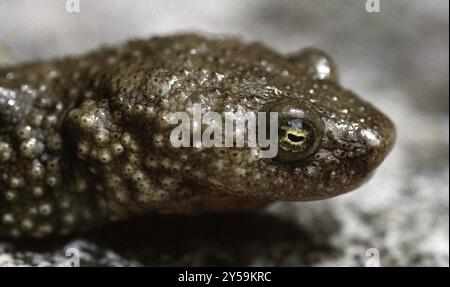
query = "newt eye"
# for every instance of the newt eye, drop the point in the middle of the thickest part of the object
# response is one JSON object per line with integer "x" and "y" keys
{"x": 296, "y": 139}
{"x": 300, "y": 129}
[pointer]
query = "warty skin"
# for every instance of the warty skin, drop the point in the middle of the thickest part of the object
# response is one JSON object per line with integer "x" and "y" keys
{"x": 84, "y": 140}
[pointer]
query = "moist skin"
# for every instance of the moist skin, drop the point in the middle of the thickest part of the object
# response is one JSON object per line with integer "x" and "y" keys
{"x": 83, "y": 140}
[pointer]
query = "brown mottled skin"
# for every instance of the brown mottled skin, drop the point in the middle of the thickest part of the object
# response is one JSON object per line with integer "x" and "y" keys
{"x": 84, "y": 140}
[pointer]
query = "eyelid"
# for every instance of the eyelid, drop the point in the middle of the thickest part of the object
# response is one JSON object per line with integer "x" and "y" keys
{"x": 294, "y": 108}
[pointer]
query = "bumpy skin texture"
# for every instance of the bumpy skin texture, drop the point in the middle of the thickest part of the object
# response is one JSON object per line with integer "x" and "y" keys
{"x": 84, "y": 141}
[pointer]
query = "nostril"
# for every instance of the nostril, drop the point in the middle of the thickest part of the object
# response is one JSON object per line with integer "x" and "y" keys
{"x": 378, "y": 143}
{"x": 371, "y": 138}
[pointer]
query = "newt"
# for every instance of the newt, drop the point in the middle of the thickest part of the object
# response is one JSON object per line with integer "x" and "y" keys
{"x": 84, "y": 140}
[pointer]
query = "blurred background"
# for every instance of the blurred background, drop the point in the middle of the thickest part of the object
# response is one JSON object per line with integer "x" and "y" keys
{"x": 397, "y": 58}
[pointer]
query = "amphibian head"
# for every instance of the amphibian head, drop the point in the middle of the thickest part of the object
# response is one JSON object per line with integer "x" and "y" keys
{"x": 330, "y": 140}
{"x": 87, "y": 140}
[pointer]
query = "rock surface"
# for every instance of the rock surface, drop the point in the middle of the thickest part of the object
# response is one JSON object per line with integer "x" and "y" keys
{"x": 398, "y": 59}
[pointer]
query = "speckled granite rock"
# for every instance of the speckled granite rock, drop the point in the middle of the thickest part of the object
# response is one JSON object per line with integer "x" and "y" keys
{"x": 397, "y": 58}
